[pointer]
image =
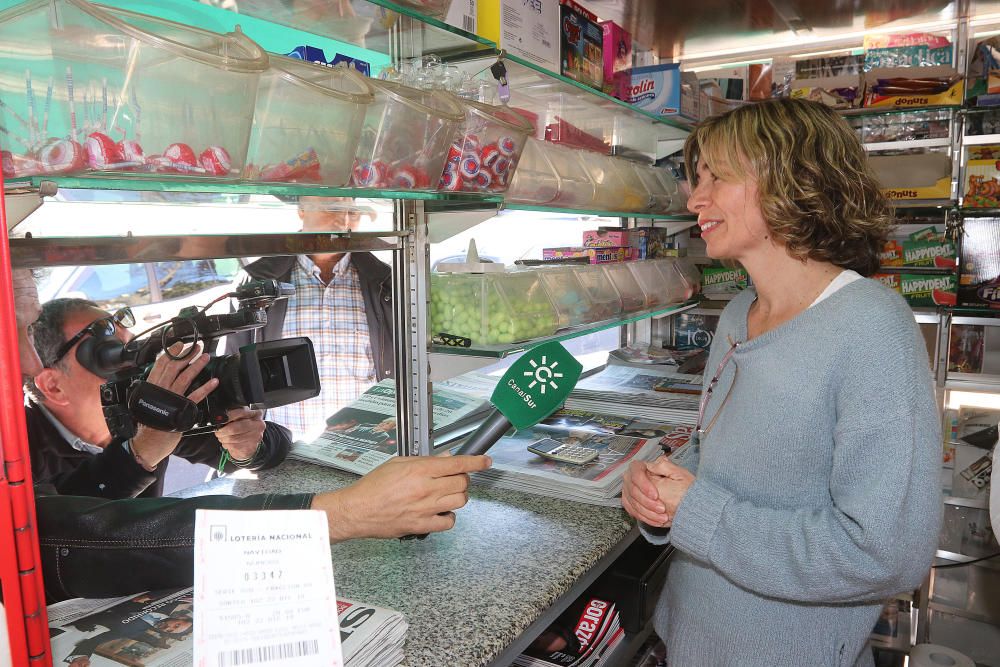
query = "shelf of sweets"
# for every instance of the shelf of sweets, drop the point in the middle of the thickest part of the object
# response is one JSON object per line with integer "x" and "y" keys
{"x": 907, "y": 144}
{"x": 377, "y": 25}
{"x": 166, "y": 183}
{"x": 878, "y": 111}
{"x": 502, "y": 351}
{"x": 685, "y": 220}
{"x": 922, "y": 203}
{"x": 550, "y": 98}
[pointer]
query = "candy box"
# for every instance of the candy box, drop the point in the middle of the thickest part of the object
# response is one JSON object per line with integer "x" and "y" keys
{"x": 936, "y": 254}
{"x": 982, "y": 177}
{"x": 617, "y": 51}
{"x": 604, "y": 237}
{"x": 979, "y": 265}
{"x": 565, "y": 253}
{"x": 581, "y": 44}
{"x": 653, "y": 242}
{"x": 722, "y": 280}
{"x": 922, "y": 289}
{"x": 605, "y": 255}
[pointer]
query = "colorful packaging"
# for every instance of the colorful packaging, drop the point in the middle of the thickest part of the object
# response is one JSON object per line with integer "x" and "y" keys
{"x": 604, "y": 238}
{"x": 318, "y": 56}
{"x": 722, "y": 280}
{"x": 655, "y": 89}
{"x": 653, "y": 242}
{"x": 529, "y": 30}
{"x": 927, "y": 234}
{"x": 922, "y": 289}
{"x": 979, "y": 267}
{"x": 617, "y": 52}
{"x": 982, "y": 177}
{"x": 582, "y": 44}
{"x": 937, "y": 254}
{"x": 595, "y": 255}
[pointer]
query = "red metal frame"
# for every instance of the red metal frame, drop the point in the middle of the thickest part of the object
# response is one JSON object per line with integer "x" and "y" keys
{"x": 20, "y": 560}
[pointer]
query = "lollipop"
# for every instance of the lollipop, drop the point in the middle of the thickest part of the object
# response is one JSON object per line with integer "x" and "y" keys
{"x": 450, "y": 181}
{"x": 131, "y": 151}
{"x": 181, "y": 154}
{"x": 216, "y": 160}
{"x": 469, "y": 166}
{"x": 490, "y": 155}
{"x": 7, "y": 160}
{"x": 370, "y": 174}
{"x": 101, "y": 151}
{"x": 61, "y": 155}
{"x": 507, "y": 145}
{"x": 409, "y": 178}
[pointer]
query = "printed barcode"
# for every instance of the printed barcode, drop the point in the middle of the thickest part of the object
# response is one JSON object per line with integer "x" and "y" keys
{"x": 253, "y": 656}
{"x": 468, "y": 23}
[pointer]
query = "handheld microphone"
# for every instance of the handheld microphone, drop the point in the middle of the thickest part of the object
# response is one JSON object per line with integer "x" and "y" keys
{"x": 534, "y": 387}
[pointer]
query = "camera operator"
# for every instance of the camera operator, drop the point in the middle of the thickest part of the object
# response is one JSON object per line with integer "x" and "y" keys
{"x": 71, "y": 446}
{"x": 92, "y": 547}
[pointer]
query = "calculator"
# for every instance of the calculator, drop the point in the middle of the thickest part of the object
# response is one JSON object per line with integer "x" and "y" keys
{"x": 560, "y": 451}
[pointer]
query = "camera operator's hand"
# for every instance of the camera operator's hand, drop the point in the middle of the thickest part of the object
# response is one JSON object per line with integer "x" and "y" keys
{"x": 243, "y": 433}
{"x": 150, "y": 446}
{"x": 403, "y": 496}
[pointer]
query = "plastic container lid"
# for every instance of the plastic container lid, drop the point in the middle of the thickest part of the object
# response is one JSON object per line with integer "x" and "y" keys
{"x": 504, "y": 116}
{"x": 237, "y": 52}
{"x": 340, "y": 82}
{"x": 431, "y": 102}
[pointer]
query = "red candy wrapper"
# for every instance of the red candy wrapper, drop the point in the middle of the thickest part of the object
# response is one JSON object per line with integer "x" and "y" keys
{"x": 216, "y": 161}
{"x": 62, "y": 155}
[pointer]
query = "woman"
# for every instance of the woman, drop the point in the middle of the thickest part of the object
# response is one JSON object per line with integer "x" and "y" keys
{"x": 809, "y": 494}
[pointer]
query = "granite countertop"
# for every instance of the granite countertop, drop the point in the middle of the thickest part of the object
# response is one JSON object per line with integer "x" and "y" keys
{"x": 467, "y": 593}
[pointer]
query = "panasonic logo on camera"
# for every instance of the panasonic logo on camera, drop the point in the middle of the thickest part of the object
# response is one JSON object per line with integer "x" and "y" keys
{"x": 154, "y": 408}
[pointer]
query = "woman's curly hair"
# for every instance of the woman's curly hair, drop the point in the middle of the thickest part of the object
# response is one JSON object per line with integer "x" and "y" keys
{"x": 817, "y": 192}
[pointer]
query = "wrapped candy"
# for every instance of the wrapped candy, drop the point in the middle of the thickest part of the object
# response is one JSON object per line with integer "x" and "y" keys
{"x": 101, "y": 151}
{"x": 181, "y": 155}
{"x": 131, "y": 151}
{"x": 62, "y": 155}
{"x": 216, "y": 161}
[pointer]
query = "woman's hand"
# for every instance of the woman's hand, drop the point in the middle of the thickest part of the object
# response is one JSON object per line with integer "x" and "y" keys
{"x": 671, "y": 483}
{"x": 640, "y": 497}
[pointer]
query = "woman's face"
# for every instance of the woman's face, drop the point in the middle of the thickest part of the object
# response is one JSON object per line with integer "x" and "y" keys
{"x": 729, "y": 215}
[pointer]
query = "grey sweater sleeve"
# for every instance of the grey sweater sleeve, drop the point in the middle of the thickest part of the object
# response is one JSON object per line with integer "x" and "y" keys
{"x": 877, "y": 536}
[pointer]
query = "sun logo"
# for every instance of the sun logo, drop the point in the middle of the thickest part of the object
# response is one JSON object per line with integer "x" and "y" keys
{"x": 543, "y": 375}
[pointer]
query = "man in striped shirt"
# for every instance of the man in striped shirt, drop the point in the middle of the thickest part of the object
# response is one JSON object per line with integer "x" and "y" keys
{"x": 342, "y": 302}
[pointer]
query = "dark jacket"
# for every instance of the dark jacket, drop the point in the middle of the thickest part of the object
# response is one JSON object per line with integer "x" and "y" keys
{"x": 114, "y": 473}
{"x": 91, "y": 547}
{"x": 376, "y": 289}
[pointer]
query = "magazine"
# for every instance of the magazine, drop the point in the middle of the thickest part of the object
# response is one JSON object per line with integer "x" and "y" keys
{"x": 581, "y": 636}
{"x": 362, "y": 436}
{"x": 630, "y": 391}
{"x": 155, "y": 630}
{"x": 618, "y": 440}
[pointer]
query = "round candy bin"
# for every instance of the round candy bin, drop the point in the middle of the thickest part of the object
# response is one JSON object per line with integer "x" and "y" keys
{"x": 307, "y": 123}
{"x": 484, "y": 153}
{"x": 111, "y": 90}
{"x": 573, "y": 305}
{"x": 404, "y": 137}
{"x": 621, "y": 276}
{"x": 491, "y": 308}
{"x": 605, "y": 301}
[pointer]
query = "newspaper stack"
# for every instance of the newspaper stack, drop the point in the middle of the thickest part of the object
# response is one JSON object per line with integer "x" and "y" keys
{"x": 155, "y": 630}
{"x": 629, "y": 391}
{"x": 618, "y": 441}
{"x": 583, "y": 636}
{"x": 362, "y": 436}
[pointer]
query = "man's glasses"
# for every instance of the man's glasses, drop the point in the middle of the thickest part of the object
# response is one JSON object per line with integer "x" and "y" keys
{"x": 105, "y": 326}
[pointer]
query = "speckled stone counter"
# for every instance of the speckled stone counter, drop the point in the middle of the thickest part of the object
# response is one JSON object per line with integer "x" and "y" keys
{"x": 470, "y": 592}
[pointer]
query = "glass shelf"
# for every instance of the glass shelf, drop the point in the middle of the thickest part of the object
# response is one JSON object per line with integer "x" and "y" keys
{"x": 73, "y": 251}
{"x": 878, "y": 111}
{"x": 376, "y": 25}
{"x": 181, "y": 184}
{"x": 502, "y": 351}
{"x": 922, "y": 203}
{"x": 550, "y": 96}
{"x": 601, "y": 214}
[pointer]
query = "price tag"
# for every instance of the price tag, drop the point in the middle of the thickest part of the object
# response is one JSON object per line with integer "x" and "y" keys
{"x": 264, "y": 592}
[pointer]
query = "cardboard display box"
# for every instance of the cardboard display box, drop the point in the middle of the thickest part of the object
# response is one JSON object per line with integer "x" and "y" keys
{"x": 914, "y": 176}
{"x": 979, "y": 266}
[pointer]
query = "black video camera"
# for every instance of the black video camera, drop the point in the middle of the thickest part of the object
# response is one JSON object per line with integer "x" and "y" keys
{"x": 260, "y": 375}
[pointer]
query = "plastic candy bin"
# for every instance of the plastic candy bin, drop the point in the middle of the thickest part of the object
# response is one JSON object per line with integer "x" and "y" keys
{"x": 692, "y": 276}
{"x": 491, "y": 308}
{"x": 405, "y": 137}
{"x": 307, "y": 123}
{"x": 608, "y": 179}
{"x": 659, "y": 196}
{"x": 652, "y": 282}
{"x": 635, "y": 194}
{"x": 535, "y": 181}
{"x": 485, "y": 152}
{"x": 605, "y": 301}
{"x": 568, "y": 295}
{"x": 90, "y": 88}
{"x": 576, "y": 187}
{"x": 620, "y": 275}
{"x": 674, "y": 285}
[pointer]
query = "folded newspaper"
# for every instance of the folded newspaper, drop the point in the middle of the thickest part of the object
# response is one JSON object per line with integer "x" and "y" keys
{"x": 618, "y": 441}
{"x": 629, "y": 391}
{"x": 362, "y": 436}
{"x": 582, "y": 636}
{"x": 155, "y": 630}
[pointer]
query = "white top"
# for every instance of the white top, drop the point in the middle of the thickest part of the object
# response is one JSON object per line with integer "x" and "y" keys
{"x": 846, "y": 277}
